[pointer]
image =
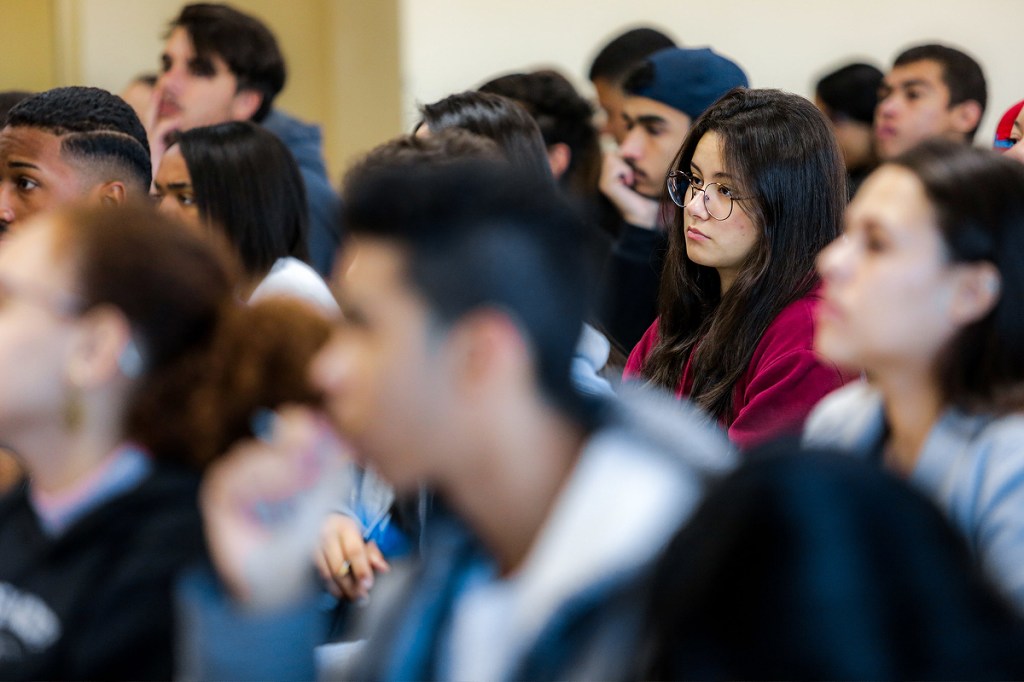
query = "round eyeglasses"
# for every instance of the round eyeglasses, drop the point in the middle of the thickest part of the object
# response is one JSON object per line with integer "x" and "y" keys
{"x": 718, "y": 198}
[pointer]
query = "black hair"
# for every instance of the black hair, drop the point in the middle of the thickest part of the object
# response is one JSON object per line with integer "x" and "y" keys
{"x": 785, "y": 156}
{"x": 245, "y": 44}
{"x": 618, "y": 57}
{"x": 96, "y": 127}
{"x": 453, "y": 145}
{"x": 978, "y": 199}
{"x": 247, "y": 183}
{"x": 495, "y": 117}
{"x": 563, "y": 116}
{"x": 851, "y": 91}
{"x": 817, "y": 565}
{"x": 960, "y": 72}
{"x": 482, "y": 234}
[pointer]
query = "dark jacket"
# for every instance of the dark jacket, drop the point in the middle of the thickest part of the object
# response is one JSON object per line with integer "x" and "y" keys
{"x": 96, "y": 601}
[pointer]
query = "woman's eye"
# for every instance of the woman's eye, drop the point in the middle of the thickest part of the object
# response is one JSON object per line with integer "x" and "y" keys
{"x": 725, "y": 191}
{"x": 186, "y": 200}
{"x": 26, "y": 184}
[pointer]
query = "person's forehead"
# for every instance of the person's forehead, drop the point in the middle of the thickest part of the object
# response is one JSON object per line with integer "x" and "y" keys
{"x": 181, "y": 44}
{"x": 372, "y": 266}
{"x": 925, "y": 71}
{"x": 26, "y": 251}
{"x": 28, "y": 144}
{"x": 644, "y": 107}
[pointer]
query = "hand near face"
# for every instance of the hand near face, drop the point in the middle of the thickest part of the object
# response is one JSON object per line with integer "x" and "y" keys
{"x": 346, "y": 562}
{"x": 616, "y": 183}
{"x": 158, "y": 129}
{"x": 262, "y": 506}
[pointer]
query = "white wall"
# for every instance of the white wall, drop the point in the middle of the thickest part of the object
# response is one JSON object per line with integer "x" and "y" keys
{"x": 452, "y": 45}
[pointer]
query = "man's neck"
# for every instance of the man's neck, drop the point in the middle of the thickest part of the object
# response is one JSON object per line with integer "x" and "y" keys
{"x": 511, "y": 488}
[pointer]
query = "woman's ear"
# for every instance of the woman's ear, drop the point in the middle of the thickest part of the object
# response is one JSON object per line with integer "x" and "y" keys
{"x": 976, "y": 292}
{"x": 100, "y": 340}
{"x": 559, "y": 158}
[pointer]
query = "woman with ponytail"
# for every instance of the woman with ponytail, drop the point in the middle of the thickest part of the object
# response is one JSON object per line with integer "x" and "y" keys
{"x": 124, "y": 375}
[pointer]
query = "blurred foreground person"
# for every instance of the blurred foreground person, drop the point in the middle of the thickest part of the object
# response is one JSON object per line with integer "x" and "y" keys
{"x": 814, "y": 566}
{"x": 125, "y": 375}
{"x": 462, "y": 298}
{"x": 924, "y": 292}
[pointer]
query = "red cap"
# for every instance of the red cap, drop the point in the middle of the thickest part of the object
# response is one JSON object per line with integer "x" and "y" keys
{"x": 1005, "y": 127}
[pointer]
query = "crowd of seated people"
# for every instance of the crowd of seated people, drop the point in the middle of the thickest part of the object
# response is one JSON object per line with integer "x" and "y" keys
{"x": 739, "y": 397}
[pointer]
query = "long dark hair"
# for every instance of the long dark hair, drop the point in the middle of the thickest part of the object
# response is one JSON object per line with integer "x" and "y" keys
{"x": 978, "y": 199}
{"x": 785, "y": 155}
{"x": 247, "y": 183}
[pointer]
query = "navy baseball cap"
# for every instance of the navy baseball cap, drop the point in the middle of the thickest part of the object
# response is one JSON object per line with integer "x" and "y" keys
{"x": 690, "y": 80}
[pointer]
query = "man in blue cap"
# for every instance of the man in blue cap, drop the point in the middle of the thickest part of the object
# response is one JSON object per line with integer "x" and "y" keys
{"x": 664, "y": 95}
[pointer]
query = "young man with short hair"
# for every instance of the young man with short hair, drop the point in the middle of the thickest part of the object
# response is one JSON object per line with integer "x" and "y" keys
{"x": 219, "y": 65}
{"x": 71, "y": 144}
{"x": 931, "y": 91}
{"x": 611, "y": 66}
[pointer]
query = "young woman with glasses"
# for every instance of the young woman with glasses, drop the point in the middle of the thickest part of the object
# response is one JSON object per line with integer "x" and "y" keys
{"x": 761, "y": 189}
{"x": 924, "y": 293}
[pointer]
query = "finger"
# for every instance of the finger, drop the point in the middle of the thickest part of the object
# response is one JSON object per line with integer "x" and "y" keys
{"x": 376, "y": 558}
{"x": 359, "y": 562}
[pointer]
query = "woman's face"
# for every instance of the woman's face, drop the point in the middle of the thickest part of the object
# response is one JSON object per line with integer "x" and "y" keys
{"x": 37, "y": 330}
{"x": 720, "y": 244}
{"x": 889, "y": 289}
{"x": 173, "y": 189}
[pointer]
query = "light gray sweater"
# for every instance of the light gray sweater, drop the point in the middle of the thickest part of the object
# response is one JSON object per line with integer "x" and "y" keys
{"x": 971, "y": 465}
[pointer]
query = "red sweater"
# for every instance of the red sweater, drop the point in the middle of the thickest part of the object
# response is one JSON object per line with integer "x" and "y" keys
{"x": 785, "y": 379}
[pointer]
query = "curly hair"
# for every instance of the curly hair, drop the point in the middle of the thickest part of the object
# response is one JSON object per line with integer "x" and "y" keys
{"x": 207, "y": 362}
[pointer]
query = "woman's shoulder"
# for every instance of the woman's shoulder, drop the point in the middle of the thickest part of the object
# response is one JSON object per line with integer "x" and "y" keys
{"x": 793, "y": 327}
{"x": 850, "y": 417}
{"x": 292, "y": 277}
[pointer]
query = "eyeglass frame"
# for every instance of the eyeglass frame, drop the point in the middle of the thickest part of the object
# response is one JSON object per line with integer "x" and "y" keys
{"x": 691, "y": 183}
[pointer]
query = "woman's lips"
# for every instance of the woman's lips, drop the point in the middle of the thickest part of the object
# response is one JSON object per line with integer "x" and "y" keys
{"x": 696, "y": 235}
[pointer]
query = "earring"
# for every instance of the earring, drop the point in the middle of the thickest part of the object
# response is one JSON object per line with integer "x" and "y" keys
{"x": 130, "y": 360}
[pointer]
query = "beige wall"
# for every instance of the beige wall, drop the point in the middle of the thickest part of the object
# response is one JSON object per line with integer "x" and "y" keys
{"x": 360, "y": 67}
{"x": 342, "y": 57}
{"x": 28, "y": 34}
{"x": 451, "y": 45}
